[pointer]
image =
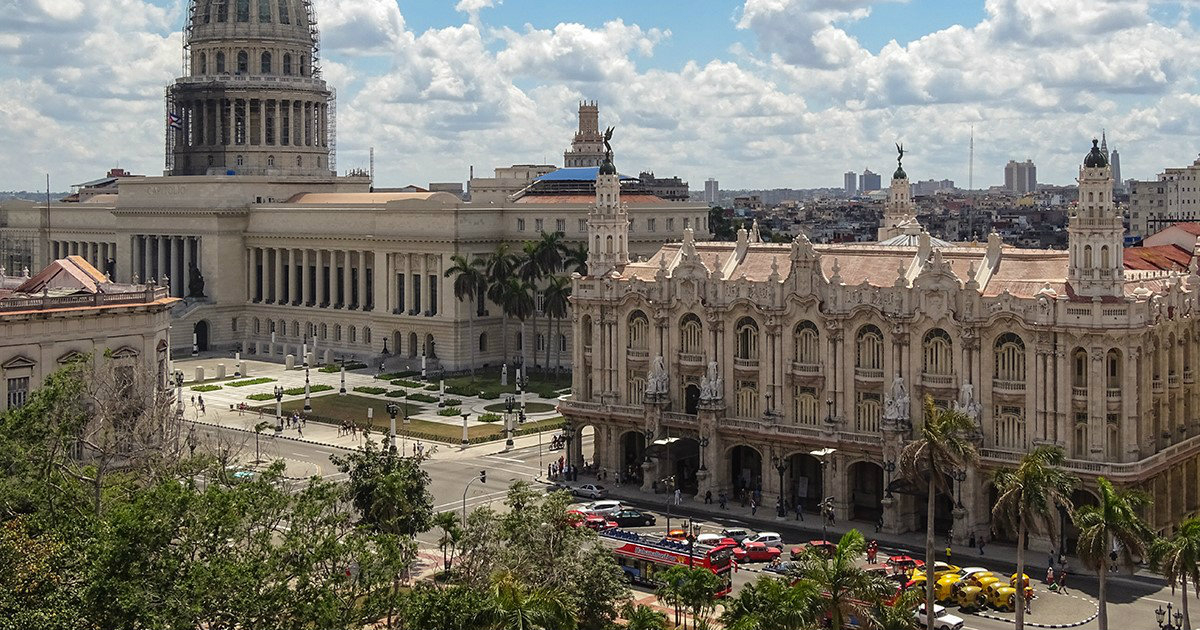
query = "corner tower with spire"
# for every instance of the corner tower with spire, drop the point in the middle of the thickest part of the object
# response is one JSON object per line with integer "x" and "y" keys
{"x": 899, "y": 205}
{"x": 1096, "y": 231}
{"x": 608, "y": 219}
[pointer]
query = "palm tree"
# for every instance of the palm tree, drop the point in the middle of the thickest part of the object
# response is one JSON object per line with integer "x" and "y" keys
{"x": 1115, "y": 518}
{"x": 771, "y": 604}
{"x": 470, "y": 285}
{"x": 549, "y": 252}
{"x": 642, "y": 617}
{"x": 670, "y": 588}
{"x": 517, "y": 301}
{"x": 555, "y": 304}
{"x": 844, "y": 587}
{"x": 530, "y": 271}
{"x": 498, "y": 268}
{"x": 451, "y": 534}
{"x": 513, "y": 606}
{"x": 575, "y": 259}
{"x": 1031, "y": 495}
{"x": 944, "y": 444}
{"x": 900, "y": 614}
{"x": 699, "y": 593}
{"x": 1178, "y": 558}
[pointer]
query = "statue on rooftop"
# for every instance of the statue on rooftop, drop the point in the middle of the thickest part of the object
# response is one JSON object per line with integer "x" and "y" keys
{"x": 195, "y": 282}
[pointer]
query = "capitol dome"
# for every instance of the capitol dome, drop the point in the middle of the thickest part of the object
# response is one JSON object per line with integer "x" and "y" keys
{"x": 281, "y": 21}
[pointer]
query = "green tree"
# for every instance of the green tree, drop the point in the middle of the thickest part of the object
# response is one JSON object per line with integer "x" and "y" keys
{"x": 845, "y": 587}
{"x": 530, "y": 272}
{"x": 389, "y": 490}
{"x": 549, "y": 252}
{"x": 642, "y": 617}
{"x": 517, "y": 301}
{"x": 575, "y": 259}
{"x": 454, "y": 607}
{"x": 900, "y": 614}
{"x": 451, "y": 535}
{"x": 772, "y": 604}
{"x": 944, "y": 444}
{"x": 1031, "y": 495}
{"x": 721, "y": 227}
{"x": 512, "y": 605}
{"x": 669, "y": 589}
{"x": 556, "y": 302}
{"x": 470, "y": 285}
{"x": 1178, "y": 558}
{"x": 498, "y": 268}
{"x": 1115, "y": 519}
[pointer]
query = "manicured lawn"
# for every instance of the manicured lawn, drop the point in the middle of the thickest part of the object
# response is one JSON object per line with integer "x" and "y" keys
{"x": 545, "y": 386}
{"x": 530, "y": 407}
{"x": 336, "y": 409}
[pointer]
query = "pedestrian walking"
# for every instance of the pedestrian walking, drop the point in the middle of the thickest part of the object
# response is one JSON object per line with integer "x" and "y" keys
{"x": 708, "y": 497}
{"x": 678, "y": 496}
{"x": 1062, "y": 580}
{"x": 872, "y": 551}
{"x": 971, "y": 541}
{"x": 799, "y": 511}
{"x": 753, "y": 506}
{"x": 299, "y": 431}
{"x": 723, "y": 499}
{"x": 1049, "y": 575}
{"x": 1028, "y": 600}
{"x": 982, "y": 542}
{"x": 879, "y": 524}
{"x": 948, "y": 554}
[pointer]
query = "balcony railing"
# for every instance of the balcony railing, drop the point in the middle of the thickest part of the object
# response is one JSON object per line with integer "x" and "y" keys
{"x": 1079, "y": 392}
{"x": 636, "y": 354}
{"x": 1188, "y": 377}
{"x": 675, "y": 417}
{"x": 1157, "y": 385}
{"x": 144, "y": 296}
{"x": 1173, "y": 380}
{"x": 746, "y": 364}
{"x": 1113, "y": 393}
{"x": 1008, "y": 387}
{"x": 937, "y": 380}
{"x": 1124, "y": 472}
{"x": 808, "y": 369}
{"x": 868, "y": 374}
{"x": 691, "y": 358}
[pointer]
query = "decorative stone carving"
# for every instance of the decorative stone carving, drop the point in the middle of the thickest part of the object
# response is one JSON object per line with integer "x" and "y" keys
{"x": 968, "y": 406}
{"x": 711, "y": 385}
{"x": 656, "y": 380}
{"x": 896, "y": 406}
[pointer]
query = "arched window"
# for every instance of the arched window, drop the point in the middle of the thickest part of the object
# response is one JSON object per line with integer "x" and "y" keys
{"x": 243, "y": 64}
{"x": 1104, "y": 257}
{"x": 639, "y": 331}
{"x": 353, "y": 334}
{"x": 807, "y": 408}
{"x": 243, "y": 10}
{"x": 562, "y": 343}
{"x": 608, "y": 244}
{"x": 202, "y": 64}
{"x": 337, "y": 332}
{"x": 808, "y": 343}
{"x": 221, "y": 61}
{"x": 241, "y": 160}
{"x": 284, "y": 16}
{"x": 1010, "y": 358}
{"x": 1009, "y": 427}
{"x": 270, "y": 160}
{"x": 222, "y": 12}
{"x": 257, "y": 326}
{"x": 299, "y": 160}
{"x": 867, "y": 413}
{"x": 870, "y": 348}
{"x": 520, "y": 341}
{"x": 939, "y": 353}
{"x": 303, "y": 65}
{"x": 295, "y": 329}
{"x": 483, "y": 342}
{"x": 691, "y": 335}
{"x": 367, "y": 335}
{"x": 287, "y": 64}
{"x": 1112, "y": 369}
{"x": 210, "y": 160}
{"x": 1170, "y": 349}
{"x": 585, "y": 329}
{"x": 265, "y": 64}
{"x": 264, "y": 11}
{"x": 208, "y": 12}
{"x": 747, "y": 400}
{"x": 1079, "y": 364}
{"x": 324, "y": 331}
{"x": 636, "y": 392}
{"x": 540, "y": 342}
{"x": 747, "y": 339}
{"x": 1087, "y": 256}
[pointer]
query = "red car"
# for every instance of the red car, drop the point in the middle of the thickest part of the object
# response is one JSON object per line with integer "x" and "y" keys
{"x": 755, "y": 552}
{"x": 590, "y": 521}
{"x": 823, "y": 546}
{"x": 904, "y": 564}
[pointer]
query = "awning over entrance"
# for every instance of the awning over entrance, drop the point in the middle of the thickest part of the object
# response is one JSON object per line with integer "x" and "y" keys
{"x": 658, "y": 448}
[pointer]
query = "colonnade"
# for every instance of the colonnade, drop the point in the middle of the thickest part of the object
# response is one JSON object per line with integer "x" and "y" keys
{"x": 171, "y": 257}
{"x": 207, "y": 122}
{"x": 97, "y": 253}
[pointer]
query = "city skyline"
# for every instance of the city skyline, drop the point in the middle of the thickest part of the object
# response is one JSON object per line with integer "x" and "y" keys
{"x": 438, "y": 89}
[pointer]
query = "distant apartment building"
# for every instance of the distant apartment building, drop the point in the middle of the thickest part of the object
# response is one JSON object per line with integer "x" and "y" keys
{"x": 869, "y": 181}
{"x": 931, "y": 186}
{"x": 669, "y": 188}
{"x": 850, "y": 183}
{"x": 1172, "y": 198}
{"x": 1020, "y": 177}
{"x": 712, "y": 191}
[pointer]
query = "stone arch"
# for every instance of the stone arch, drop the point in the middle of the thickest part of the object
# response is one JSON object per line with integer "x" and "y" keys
{"x": 807, "y": 343}
{"x": 691, "y": 398}
{"x": 868, "y": 348}
{"x": 866, "y": 485}
{"x": 804, "y": 481}
{"x": 745, "y": 468}
{"x": 413, "y": 345}
{"x": 638, "y": 331}
{"x": 430, "y": 346}
{"x": 631, "y": 455}
{"x": 200, "y": 335}
{"x": 1009, "y": 364}
{"x": 937, "y": 353}
{"x": 1079, "y": 367}
{"x": 746, "y": 339}
{"x": 691, "y": 334}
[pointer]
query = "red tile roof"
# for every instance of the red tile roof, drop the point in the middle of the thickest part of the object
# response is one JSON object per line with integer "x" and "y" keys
{"x": 1160, "y": 257}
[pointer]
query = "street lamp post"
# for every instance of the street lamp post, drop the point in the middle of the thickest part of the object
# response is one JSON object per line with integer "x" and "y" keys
{"x": 693, "y": 530}
{"x": 342, "y": 361}
{"x": 465, "y": 440}
{"x": 889, "y": 467}
{"x": 178, "y": 376}
{"x": 278, "y": 409}
{"x": 703, "y": 445}
{"x": 1165, "y": 618}
{"x": 392, "y": 410}
{"x": 959, "y": 476}
{"x": 509, "y": 403}
{"x": 781, "y": 465}
{"x": 307, "y": 390}
{"x": 568, "y": 436}
{"x": 829, "y": 416}
{"x": 482, "y": 478}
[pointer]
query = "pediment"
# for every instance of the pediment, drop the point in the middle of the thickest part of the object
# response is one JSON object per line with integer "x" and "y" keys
{"x": 18, "y": 363}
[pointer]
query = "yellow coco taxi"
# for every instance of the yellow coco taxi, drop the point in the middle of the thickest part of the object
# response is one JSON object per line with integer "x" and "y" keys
{"x": 1001, "y": 597}
{"x": 1012, "y": 580}
{"x": 982, "y": 579}
{"x": 943, "y": 590}
{"x": 968, "y": 597}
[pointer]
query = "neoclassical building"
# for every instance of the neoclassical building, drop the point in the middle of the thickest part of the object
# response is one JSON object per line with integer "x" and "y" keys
{"x": 268, "y": 247}
{"x": 800, "y": 370}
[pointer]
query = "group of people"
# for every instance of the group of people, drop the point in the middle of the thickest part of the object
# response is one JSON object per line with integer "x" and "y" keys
{"x": 562, "y": 470}
{"x": 198, "y": 403}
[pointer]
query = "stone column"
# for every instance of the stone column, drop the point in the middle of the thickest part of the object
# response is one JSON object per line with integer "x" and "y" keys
{"x": 277, "y": 273}
{"x": 346, "y": 293}
{"x": 306, "y": 297}
{"x": 178, "y": 277}
{"x": 379, "y": 266}
{"x": 320, "y": 269}
{"x": 362, "y": 279}
{"x": 147, "y": 266}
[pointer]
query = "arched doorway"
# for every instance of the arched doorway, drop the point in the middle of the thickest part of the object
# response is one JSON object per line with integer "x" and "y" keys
{"x": 745, "y": 469}
{"x": 397, "y": 347}
{"x": 691, "y": 398}
{"x": 633, "y": 452}
{"x": 200, "y": 331}
{"x": 943, "y": 509}
{"x": 412, "y": 345}
{"x": 803, "y": 481}
{"x": 430, "y": 350}
{"x": 684, "y": 461}
{"x": 866, "y": 491}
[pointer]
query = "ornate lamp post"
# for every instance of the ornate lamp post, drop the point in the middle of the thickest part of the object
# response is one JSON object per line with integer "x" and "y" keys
{"x": 342, "y": 361}
{"x": 509, "y": 403}
{"x": 889, "y": 467}
{"x": 307, "y": 390}
{"x": 392, "y": 410}
{"x": 829, "y": 416}
{"x": 703, "y": 445}
{"x": 569, "y": 435}
{"x": 959, "y": 476}
{"x": 465, "y": 440}
{"x": 178, "y": 378}
{"x": 278, "y": 409}
{"x": 781, "y": 465}
{"x": 1165, "y": 617}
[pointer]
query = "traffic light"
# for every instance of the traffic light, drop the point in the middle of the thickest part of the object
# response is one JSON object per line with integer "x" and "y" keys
{"x": 483, "y": 476}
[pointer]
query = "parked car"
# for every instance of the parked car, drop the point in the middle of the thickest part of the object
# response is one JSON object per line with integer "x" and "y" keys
{"x": 904, "y": 563}
{"x": 770, "y": 539}
{"x": 590, "y": 521}
{"x": 943, "y": 590}
{"x": 1001, "y": 596}
{"x": 968, "y": 597}
{"x": 943, "y": 620}
{"x": 940, "y": 570}
{"x": 591, "y": 491}
{"x": 969, "y": 571}
{"x": 711, "y": 540}
{"x": 736, "y": 533}
{"x": 821, "y": 546}
{"x": 629, "y": 517}
{"x": 755, "y": 552}
{"x": 782, "y": 568}
{"x": 603, "y": 508}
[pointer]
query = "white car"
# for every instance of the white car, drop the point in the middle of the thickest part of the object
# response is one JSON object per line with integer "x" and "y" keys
{"x": 709, "y": 539}
{"x": 601, "y": 508}
{"x": 591, "y": 491}
{"x": 969, "y": 571}
{"x": 770, "y": 539}
{"x": 942, "y": 620}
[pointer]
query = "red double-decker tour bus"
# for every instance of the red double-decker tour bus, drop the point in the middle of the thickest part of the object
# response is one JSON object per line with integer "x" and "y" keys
{"x": 641, "y": 557}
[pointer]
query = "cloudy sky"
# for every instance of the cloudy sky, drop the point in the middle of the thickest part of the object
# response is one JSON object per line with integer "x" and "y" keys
{"x": 757, "y": 93}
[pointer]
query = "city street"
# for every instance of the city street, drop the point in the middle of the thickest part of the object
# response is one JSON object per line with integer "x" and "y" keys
{"x": 1132, "y": 601}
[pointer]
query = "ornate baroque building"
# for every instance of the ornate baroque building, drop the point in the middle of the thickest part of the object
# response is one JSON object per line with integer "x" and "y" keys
{"x": 269, "y": 248}
{"x": 800, "y": 370}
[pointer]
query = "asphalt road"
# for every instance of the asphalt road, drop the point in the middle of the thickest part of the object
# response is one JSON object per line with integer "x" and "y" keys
{"x": 1132, "y": 603}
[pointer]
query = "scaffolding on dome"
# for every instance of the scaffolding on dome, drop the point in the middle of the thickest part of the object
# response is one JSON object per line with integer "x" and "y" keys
{"x": 331, "y": 103}
{"x": 315, "y": 33}
{"x": 171, "y": 132}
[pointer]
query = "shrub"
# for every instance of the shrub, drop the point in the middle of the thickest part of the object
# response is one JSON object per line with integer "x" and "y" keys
{"x": 450, "y": 411}
{"x": 490, "y": 417}
{"x": 489, "y": 395}
{"x": 396, "y": 393}
{"x": 452, "y": 402}
{"x": 333, "y": 368}
{"x": 370, "y": 390}
{"x": 262, "y": 396}
{"x": 251, "y": 381}
{"x": 299, "y": 391}
{"x": 403, "y": 383}
{"x": 388, "y": 376}
{"x": 419, "y": 397}
{"x": 206, "y": 388}
{"x": 461, "y": 391}
{"x": 432, "y": 388}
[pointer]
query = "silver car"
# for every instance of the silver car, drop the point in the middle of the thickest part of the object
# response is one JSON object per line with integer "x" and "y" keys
{"x": 591, "y": 491}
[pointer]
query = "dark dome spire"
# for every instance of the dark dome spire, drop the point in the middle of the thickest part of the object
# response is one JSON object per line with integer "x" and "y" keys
{"x": 1095, "y": 158}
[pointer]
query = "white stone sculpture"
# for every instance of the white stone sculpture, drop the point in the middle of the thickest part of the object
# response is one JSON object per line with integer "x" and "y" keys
{"x": 711, "y": 386}
{"x": 656, "y": 381}
{"x": 896, "y": 407}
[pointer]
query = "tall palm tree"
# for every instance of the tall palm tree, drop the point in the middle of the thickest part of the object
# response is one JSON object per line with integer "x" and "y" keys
{"x": 513, "y": 606}
{"x": 470, "y": 285}
{"x": 530, "y": 271}
{"x": 550, "y": 252}
{"x": 556, "y": 304}
{"x": 642, "y": 617}
{"x": 498, "y": 267}
{"x": 943, "y": 444}
{"x": 451, "y": 534}
{"x": 1115, "y": 518}
{"x": 670, "y": 588}
{"x": 575, "y": 259}
{"x": 1029, "y": 495}
{"x": 1178, "y": 558}
{"x": 845, "y": 587}
{"x": 901, "y": 614}
{"x": 517, "y": 299}
{"x": 771, "y": 604}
